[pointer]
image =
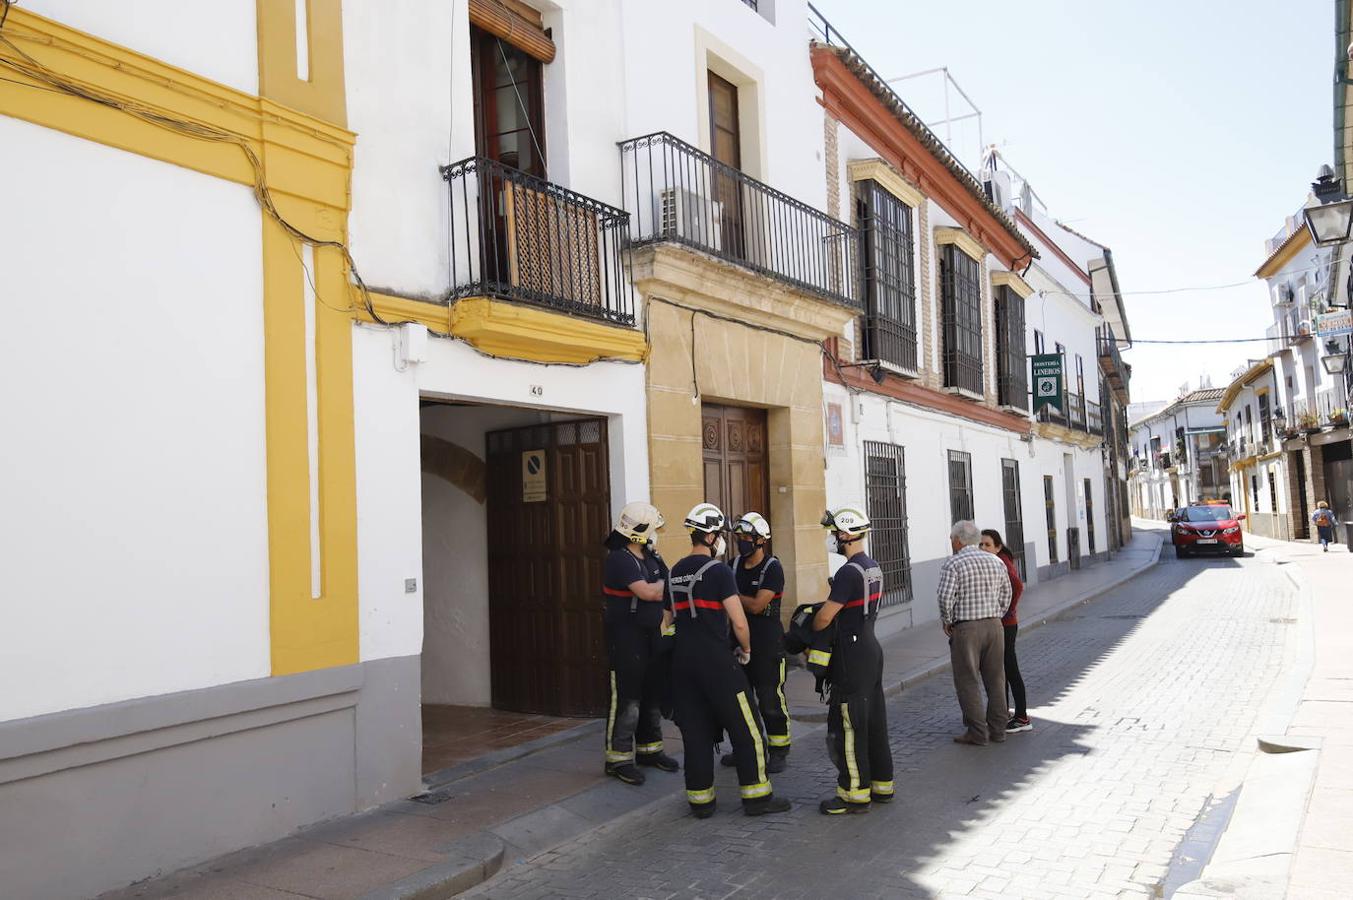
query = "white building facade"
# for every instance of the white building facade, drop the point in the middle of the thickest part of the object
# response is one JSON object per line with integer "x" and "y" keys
{"x": 1179, "y": 455}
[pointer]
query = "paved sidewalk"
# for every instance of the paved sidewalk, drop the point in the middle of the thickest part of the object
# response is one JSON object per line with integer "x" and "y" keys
{"x": 922, "y": 651}
{"x": 492, "y": 813}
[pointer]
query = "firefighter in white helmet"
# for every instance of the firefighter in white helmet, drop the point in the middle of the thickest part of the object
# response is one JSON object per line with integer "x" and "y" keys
{"x": 634, "y": 592}
{"x": 761, "y": 585}
{"x": 711, "y": 693}
{"x": 857, "y": 719}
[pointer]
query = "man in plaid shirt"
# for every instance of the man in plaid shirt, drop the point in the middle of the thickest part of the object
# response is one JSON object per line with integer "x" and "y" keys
{"x": 974, "y": 593}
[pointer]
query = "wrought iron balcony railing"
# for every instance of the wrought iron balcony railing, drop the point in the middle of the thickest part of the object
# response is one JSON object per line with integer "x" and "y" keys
{"x": 1112, "y": 365}
{"x": 1075, "y": 409}
{"x": 1094, "y": 418}
{"x": 678, "y": 193}
{"x": 518, "y": 237}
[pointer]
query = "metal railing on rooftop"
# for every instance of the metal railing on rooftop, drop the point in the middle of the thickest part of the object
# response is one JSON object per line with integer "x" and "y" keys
{"x": 676, "y": 192}
{"x": 518, "y": 237}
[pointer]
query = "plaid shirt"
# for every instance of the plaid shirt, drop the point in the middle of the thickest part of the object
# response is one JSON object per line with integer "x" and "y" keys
{"x": 974, "y": 584}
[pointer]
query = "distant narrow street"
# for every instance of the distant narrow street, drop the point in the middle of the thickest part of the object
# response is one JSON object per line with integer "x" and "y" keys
{"x": 1141, "y": 702}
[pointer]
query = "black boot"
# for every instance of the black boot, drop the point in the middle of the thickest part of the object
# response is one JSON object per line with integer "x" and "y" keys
{"x": 658, "y": 760}
{"x": 776, "y": 760}
{"x": 835, "y": 806}
{"x": 626, "y": 772}
{"x": 703, "y": 810}
{"x": 760, "y": 806}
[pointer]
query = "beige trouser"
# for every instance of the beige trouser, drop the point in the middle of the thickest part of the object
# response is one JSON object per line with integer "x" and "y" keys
{"x": 977, "y": 656}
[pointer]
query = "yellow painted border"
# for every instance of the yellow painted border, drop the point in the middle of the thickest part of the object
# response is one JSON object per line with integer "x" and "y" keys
{"x": 965, "y": 242}
{"x": 516, "y": 331}
{"x": 1285, "y": 252}
{"x": 1012, "y": 281}
{"x": 307, "y": 163}
{"x": 886, "y": 175}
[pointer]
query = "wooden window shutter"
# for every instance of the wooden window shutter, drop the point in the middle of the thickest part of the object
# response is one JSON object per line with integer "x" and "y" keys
{"x": 516, "y": 23}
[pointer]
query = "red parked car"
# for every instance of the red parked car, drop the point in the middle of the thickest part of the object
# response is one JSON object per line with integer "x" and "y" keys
{"x": 1207, "y": 528}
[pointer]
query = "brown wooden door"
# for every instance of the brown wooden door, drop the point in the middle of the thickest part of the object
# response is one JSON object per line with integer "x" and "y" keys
{"x": 736, "y": 477}
{"x": 725, "y": 143}
{"x": 545, "y": 525}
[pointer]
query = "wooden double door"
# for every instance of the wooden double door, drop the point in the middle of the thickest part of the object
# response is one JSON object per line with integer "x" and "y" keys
{"x": 733, "y": 441}
{"x": 548, "y": 509}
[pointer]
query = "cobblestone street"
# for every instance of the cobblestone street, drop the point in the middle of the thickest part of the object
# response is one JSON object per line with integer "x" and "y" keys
{"x": 1142, "y": 702}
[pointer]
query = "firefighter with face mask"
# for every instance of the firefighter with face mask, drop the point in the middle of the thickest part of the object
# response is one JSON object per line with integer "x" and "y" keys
{"x": 857, "y": 719}
{"x": 711, "y": 693}
{"x": 635, "y": 595}
{"x": 761, "y": 584}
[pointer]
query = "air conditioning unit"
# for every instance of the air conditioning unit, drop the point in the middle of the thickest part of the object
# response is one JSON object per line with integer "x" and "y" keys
{"x": 1284, "y": 294}
{"x": 686, "y": 215}
{"x": 1304, "y": 328}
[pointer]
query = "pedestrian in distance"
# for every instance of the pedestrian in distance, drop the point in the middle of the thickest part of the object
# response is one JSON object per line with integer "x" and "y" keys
{"x": 1019, "y": 720}
{"x": 635, "y": 614}
{"x": 761, "y": 585}
{"x": 857, "y": 717}
{"x": 711, "y": 692}
{"x": 974, "y": 594}
{"x": 1324, "y": 524}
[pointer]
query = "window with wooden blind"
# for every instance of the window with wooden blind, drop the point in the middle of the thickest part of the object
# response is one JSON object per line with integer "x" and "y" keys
{"x": 1012, "y": 383}
{"x": 888, "y": 246}
{"x": 961, "y": 301}
{"x": 885, "y": 490}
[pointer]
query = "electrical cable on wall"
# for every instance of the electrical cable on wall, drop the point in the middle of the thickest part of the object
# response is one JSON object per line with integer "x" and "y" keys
{"x": 31, "y": 68}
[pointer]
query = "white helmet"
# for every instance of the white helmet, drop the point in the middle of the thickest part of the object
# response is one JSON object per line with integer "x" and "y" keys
{"x": 753, "y": 524}
{"x": 706, "y": 518}
{"x": 638, "y": 521}
{"x": 847, "y": 520}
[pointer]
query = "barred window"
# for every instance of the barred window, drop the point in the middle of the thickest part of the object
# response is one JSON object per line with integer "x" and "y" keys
{"x": 885, "y": 224}
{"x": 960, "y": 486}
{"x": 1014, "y": 514}
{"x": 1012, "y": 385}
{"x": 885, "y": 486}
{"x": 961, "y": 296}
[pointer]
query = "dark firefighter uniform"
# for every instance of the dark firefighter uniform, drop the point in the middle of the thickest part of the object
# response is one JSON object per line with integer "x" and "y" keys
{"x": 766, "y": 671}
{"x": 711, "y": 694}
{"x": 857, "y": 719}
{"x": 633, "y": 640}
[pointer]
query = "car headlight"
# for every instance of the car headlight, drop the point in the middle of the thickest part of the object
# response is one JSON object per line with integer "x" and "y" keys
{"x": 1232, "y": 530}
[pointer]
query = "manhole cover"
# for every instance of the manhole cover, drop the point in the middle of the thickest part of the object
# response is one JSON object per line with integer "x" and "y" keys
{"x": 1283, "y": 621}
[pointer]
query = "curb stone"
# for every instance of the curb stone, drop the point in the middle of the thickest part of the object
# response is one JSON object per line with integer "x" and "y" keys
{"x": 472, "y": 861}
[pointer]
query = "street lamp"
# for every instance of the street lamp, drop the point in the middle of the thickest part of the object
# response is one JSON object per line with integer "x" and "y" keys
{"x": 1331, "y": 222}
{"x": 1335, "y": 362}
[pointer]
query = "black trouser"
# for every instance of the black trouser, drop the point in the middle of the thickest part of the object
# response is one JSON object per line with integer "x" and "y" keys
{"x": 712, "y": 697}
{"x": 637, "y": 674}
{"x": 766, "y": 674}
{"x": 857, "y": 724}
{"x": 1013, "y": 680}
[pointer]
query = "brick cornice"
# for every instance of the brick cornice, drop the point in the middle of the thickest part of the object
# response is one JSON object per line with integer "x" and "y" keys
{"x": 854, "y": 104}
{"x": 916, "y": 394}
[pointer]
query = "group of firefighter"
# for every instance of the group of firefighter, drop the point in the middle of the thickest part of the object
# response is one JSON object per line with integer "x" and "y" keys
{"x": 702, "y": 643}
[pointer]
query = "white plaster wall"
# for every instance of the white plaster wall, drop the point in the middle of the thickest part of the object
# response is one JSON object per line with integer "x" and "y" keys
{"x": 401, "y": 222}
{"x": 665, "y": 64}
{"x": 390, "y": 488}
{"x": 216, "y": 40}
{"x": 133, "y": 538}
{"x": 389, "y": 531}
{"x": 455, "y": 556}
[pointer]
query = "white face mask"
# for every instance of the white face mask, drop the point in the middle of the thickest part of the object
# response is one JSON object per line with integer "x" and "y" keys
{"x": 719, "y": 546}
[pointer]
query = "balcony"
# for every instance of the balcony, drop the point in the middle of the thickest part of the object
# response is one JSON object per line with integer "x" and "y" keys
{"x": 1081, "y": 415}
{"x": 1320, "y": 411}
{"x": 1112, "y": 365}
{"x": 680, "y": 194}
{"x": 521, "y": 238}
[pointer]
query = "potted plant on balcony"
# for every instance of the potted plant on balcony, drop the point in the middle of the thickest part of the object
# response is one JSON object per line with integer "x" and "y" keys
{"x": 1338, "y": 417}
{"x": 1309, "y": 422}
